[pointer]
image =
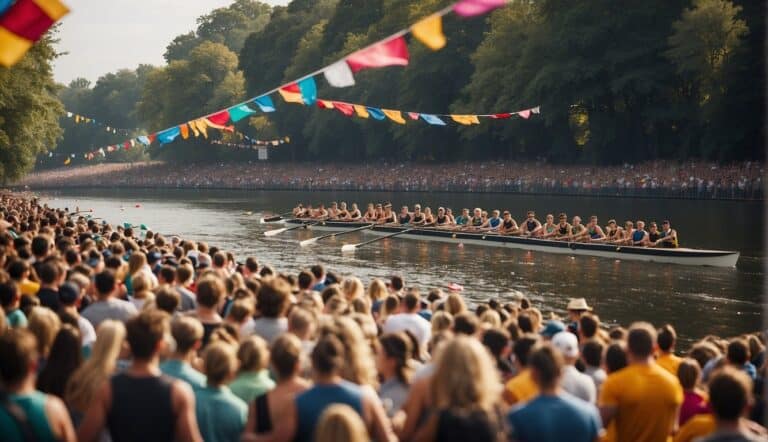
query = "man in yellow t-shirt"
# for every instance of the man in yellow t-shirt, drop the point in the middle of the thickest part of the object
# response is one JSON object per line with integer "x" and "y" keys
{"x": 642, "y": 399}
{"x": 666, "y": 357}
{"x": 697, "y": 426}
{"x": 522, "y": 388}
{"x": 19, "y": 270}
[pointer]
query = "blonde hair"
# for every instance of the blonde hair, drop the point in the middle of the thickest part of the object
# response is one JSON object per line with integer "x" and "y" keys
{"x": 98, "y": 368}
{"x": 340, "y": 423}
{"x": 536, "y": 319}
{"x": 253, "y": 354}
{"x": 44, "y": 324}
{"x": 142, "y": 285}
{"x": 352, "y": 288}
{"x": 454, "y": 304}
{"x": 377, "y": 290}
{"x": 491, "y": 318}
{"x": 465, "y": 376}
{"x": 441, "y": 321}
{"x": 220, "y": 362}
{"x": 136, "y": 262}
{"x": 359, "y": 366}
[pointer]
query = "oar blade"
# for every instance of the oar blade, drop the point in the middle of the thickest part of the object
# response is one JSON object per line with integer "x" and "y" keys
{"x": 275, "y": 232}
{"x": 346, "y": 248}
{"x": 308, "y": 242}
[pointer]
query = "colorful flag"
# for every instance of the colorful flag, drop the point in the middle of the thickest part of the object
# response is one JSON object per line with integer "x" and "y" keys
{"x": 345, "y": 108}
{"x": 392, "y": 52}
{"x": 291, "y": 94}
{"x": 184, "y": 128}
{"x": 503, "y": 116}
{"x": 432, "y": 119}
{"x": 168, "y": 135}
{"x": 23, "y": 23}
{"x": 394, "y": 115}
{"x": 466, "y": 119}
{"x": 429, "y": 31}
{"x": 525, "y": 114}
{"x": 265, "y": 103}
{"x": 144, "y": 140}
{"x": 471, "y": 8}
{"x": 339, "y": 74}
{"x": 536, "y": 110}
{"x": 67, "y": 161}
{"x": 325, "y": 104}
{"x": 219, "y": 118}
{"x": 361, "y": 111}
{"x": 376, "y": 113}
{"x": 413, "y": 115}
{"x": 237, "y": 113}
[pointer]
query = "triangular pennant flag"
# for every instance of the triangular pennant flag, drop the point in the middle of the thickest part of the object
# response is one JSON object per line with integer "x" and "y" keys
{"x": 291, "y": 94}
{"x": 127, "y": 145}
{"x": 209, "y": 123}
{"x": 376, "y": 113}
{"x": 471, "y": 8}
{"x": 133, "y": 143}
{"x": 67, "y": 161}
{"x": 429, "y": 31}
{"x": 77, "y": 119}
{"x": 144, "y": 140}
{"x": 393, "y": 52}
{"x": 536, "y": 110}
{"x": 201, "y": 126}
{"x": 433, "y": 119}
{"x": 219, "y": 118}
{"x": 413, "y": 115}
{"x": 22, "y": 23}
{"x": 325, "y": 104}
{"x": 361, "y": 111}
{"x": 237, "y": 113}
{"x": 193, "y": 126}
{"x": 152, "y": 138}
{"x": 394, "y": 115}
{"x": 466, "y": 119}
{"x": 308, "y": 90}
{"x": 69, "y": 114}
{"x": 265, "y": 103}
{"x": 168, "y": 135}
{"x": 345, "y": 108}
{"x": 184, "y": 131}
{"x": 339, "y": 74}
{"x": 502, "y": 116}
{"x": 525, "y": 114}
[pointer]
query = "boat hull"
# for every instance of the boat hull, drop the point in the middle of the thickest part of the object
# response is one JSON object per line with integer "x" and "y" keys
{"x": 694, "y": 257}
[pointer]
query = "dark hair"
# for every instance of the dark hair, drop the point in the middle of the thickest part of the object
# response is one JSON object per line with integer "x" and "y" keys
{"x": 397, "y": 283}
{"x": 183, "y": 273}
{"x": 64, "y": 358}
{"x": 209, "y": 291}
{"x": 547, "y": 363}
{"x": 617, "y": 333}
{"x": 737, "y": 352}
{"x": 495, "y": 340}
{"x": 730, "y": 391}
{"x": 18, "y": 349}
{"x": 523, "y": 346}
{"x": 592, "y": 352}
{"x": 17, "y": 268}
{"x": 666, "y": 338}
{"x": 274, "y": 295}
{"x": 640, "y": 340}
{"x": 328, "y": 355}
{"x": 317, "y": 270}
{"x": 703, "y": 352}
{"x": 285, "y": 354}
{"x": 167, "y": 274}
{"x": 144, "y": 331}
{"x": 398, "y": 347}
{"x": 167, "y": 299}
{"x": 9, "y": 292}
{"x": 411, "y": 301}
{"x": 466, "y": 323}
{"x": 688, "y": 373}
{"x": 219, "y": 259}
{"x": 615, "y": 357}
{"x": 105, "y": 282}
{"x": 305, "y": 280}
{"x": 525, "y": 323}
{"x": 49, "y": 272}
{"x": 252, "y": 264}
{"x": 588, "y": 325}
{"x": 40, "y": 245}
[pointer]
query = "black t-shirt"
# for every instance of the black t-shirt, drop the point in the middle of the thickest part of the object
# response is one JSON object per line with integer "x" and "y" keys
{"x": 49, "y": 298}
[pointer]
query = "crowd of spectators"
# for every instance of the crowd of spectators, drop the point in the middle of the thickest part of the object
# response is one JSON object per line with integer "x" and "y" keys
{"x": 107, "y": 334}
{"x": 652, "y": 179}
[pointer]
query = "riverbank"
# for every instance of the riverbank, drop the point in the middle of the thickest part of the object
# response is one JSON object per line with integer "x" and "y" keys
{"x": 742, "y": 181}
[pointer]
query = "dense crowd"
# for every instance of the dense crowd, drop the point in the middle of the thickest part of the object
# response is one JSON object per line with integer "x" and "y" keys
{"x": 107, "y": 334}
{"x": 662, "y": 179}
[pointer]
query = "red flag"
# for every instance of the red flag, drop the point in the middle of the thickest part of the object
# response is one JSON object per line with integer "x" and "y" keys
{"x": 503, "y": 116}
{"x": 152, "y": 138}
{"x": 220, "y": 118}
{"x": 26, "y": 19}
{"x": 345, "y": 108}
{"x": 388, "y": 53}
{"x": 127, "y": 145}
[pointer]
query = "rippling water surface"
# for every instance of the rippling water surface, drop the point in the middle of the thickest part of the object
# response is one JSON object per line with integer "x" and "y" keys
{"x": 697, "y": 300}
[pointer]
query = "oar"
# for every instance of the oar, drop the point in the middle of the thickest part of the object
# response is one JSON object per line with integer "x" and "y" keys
{"x": 274, "y": 218}
{"x": 129, "y": 226}
{"x": 309, "y": 241}
{"x": 353, "y": 247}
{"x": 287, "y": 229}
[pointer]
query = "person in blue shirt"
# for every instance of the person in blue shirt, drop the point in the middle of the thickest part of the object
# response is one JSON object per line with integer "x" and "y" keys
{"x": 552, "y": 415}
{"x": 10, "y": 297}
{"x": 463, "y": 219}
{"x": 188, "y": 334}
{"x": 492, "y": 224}
{"x": 220, "y": 414}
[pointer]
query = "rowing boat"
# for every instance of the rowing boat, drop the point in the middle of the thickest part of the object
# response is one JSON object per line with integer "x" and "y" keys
{"x": 683, "y": 256}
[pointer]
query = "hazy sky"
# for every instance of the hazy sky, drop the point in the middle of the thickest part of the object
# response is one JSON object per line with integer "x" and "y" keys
{"x": 102, "y": 36}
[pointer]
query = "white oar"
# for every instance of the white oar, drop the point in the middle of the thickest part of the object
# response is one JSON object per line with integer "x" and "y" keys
{"x": 353, "y": 247}
{"x": 309, "y": 241}
{"x": 286, "y": 229}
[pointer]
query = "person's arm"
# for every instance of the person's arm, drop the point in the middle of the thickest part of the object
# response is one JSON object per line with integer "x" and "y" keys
{"x": 96, "y": 416}
{"x": 251, "y": 422}
{"x": 414, "y": 407}
{"x": 183, "y": 401}
{"x": 379, "y": 424}
{"x": 643, "y": 241}
{"x": 58, "y": 417}
{"x": 600, "y": 234}
{"x": 428, "y": 432}
{"x": 285, "y": 431}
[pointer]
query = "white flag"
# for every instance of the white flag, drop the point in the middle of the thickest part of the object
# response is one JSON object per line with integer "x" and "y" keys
{"x": 339, "y": 74}
{"x": 536, "y": 110}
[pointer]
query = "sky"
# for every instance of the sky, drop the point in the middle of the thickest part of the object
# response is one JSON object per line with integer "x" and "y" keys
{"x": 101, "y": 36}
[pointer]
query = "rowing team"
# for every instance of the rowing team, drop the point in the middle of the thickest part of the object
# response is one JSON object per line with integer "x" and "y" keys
{"x": 633, "y": 234}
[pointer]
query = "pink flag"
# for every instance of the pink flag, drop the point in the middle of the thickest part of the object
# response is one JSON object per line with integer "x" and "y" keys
{"x": 388, "y": 53}
{"x": 413, "y": 115}
{"x": 345, "y": 108}
{"x": 471, "y": 8}
{"x": 524, "y": 114}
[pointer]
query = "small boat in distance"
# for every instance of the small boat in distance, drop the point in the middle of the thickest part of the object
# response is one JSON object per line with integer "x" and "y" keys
{"x": 682, "y": 256}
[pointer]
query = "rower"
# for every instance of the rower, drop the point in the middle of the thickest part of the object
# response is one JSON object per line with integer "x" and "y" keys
{"x": 404, "y": 217}
{"x": 477, "y": 220}
{"x": 333, "y": 211}
{"x": 380, "y": 210}
{"x": 578, "y": 231}
{"x": 640, "y": 236}
{"x": 508, "y": 225}
{"x": 549, "y": 229}
{"x": 612, "y": 231}
{"x": 320, "y": 212}
{"x": 563, "y": 228}
{"x": 463, "y": 219}
{"x": 418, "y": 218}
{"x": 297, "y": 211}
{"x": 387, "y": 216}
{"x": 653, "y": 234}
{"x": 370, "y": 213}
{"x": 449, "y": 215}
{"x": 442, "y": 219}
{"x": 531, "y": 226}
{"x": 354, "y": 214}
{"x": 493, "y": 223}
{"x": 594, "y": 230}
{"x": 308, "y": 212}
{"x": 668, "y": 236}
{"x": 626, "y": 235}
{"x": 429, "y": 219}
{"x": 343, "y": 212}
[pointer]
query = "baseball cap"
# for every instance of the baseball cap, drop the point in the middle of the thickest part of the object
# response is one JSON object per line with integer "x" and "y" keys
{"x": 567, "y": 343}
{"x": 552, "y": 327}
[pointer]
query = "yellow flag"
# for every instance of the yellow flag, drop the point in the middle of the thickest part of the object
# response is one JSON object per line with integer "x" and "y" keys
{"x": 430, "y": 32}
{"x": 291, "y": 97}
{"x": 394, "y": 115}
{"x": 77, "y": 119}
{"x": 202, "y": 126}
{"x": 184, "y": 128}
{"x": 361, "y": 111}
{"x": 67, "y": 161}
{"x": 466, "y": 120}
{"x": 194, "y": 128}
{"x": 325, "y": 104}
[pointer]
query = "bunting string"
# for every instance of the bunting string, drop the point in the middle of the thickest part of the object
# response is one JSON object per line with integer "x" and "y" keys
{"x": 81, "y": 119}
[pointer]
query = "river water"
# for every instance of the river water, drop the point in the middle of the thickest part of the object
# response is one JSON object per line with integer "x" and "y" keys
{"x": 696, "y": 300}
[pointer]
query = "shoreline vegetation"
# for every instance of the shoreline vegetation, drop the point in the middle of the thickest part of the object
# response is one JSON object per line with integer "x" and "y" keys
{"x": 690, "y": 180}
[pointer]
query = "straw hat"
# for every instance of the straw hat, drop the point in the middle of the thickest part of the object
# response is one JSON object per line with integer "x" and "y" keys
{"x": 578, "y": 304}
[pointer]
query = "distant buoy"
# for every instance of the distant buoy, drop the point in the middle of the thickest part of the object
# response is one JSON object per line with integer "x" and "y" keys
{"x": 461, "y": 245}
{"x": 137, "y": 206}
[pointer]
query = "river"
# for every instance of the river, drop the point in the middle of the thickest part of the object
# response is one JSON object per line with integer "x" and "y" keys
{"x": 696, "y": 300}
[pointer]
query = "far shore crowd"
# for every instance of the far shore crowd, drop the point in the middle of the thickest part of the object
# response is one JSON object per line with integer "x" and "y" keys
{"x": 696, "y": 180}
{"x": 111, "y": 334}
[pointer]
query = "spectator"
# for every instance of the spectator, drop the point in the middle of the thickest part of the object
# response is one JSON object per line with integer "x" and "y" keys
{"x": 210, "y": 292}
{"x": 188, "y": 334}
{"x": 220, "y": 414}
{"x": 107, "y": 306}
{"x": 409, "y": 320}
{"x": 272, "y": 304}
{"x": 573, "y": 381}
{"x": 51, "y": 278}
{"x": 340, "y": 423}
{"x": 522, "y": 388}
{"x": 393, "y": 363}
{"x": 592, "y": 357}
{"x": 71, "y": 297}
{"x": 730, "y": 391}
{"x": 10, "y": 300}
{"x": 65, "y": 357}
{"x": 253, "y": 378}
{"x": 666, "y": 341}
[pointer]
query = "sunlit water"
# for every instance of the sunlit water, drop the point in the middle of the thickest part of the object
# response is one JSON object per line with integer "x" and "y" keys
{"x": 697, "y": 300}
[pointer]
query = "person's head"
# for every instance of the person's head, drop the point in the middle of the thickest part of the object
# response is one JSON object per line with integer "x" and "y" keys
{"x": 188, "y": 334}
{"x": 522, "y": 348}
{"x": 496, "y": 340}
{"x": 146, "y": 333}
{"x": 50, "y": 273}
{"x": 730, "y": 394}
{"x": 301, "y": 322}
{"x": 640, "y": 341}
{"x": 219, "y": 260}
{"x": 568, "y": 345}
{"x": 592, "y": 353}
{"x": 285, "y": 356}
{"x": 44, "y": 324}
{"x": 306, "y": 279}
{"x": 411, "y": 303}
{"x": 454, "y": 304}
{"x": 167, "y": 299}
{"x": 184, "y": 274}
{"x": 441, "y": 321}
{"x": 105, "y": 283}
{"x": 397, "y": 284}
{"x": 703, "y": 352}
{"x": 589, "y": 324}
{"x": 666, "y": 338}
{"x": 18, "y": 351}
{"x": 18, "y": 269}
{"x": 41, "y": 246}
{"x": 395, "y": 350}
{"x": 210, "y": 291}
{"x": 640, "y": 225}
{"x": 219, "y": 363}
{"x": 465, "y": 376}
{"x": 273, "y": 298}
{"x": 546, "y": 364}
{"x": 318, "y": 271}
{"x": 64, "y": 358}
{"x": 141, "y": 285}
{"x": 737, "y": 352}
{"x": 167, "y": 275}
{"x": 340, "y": 423}
{"x": 328, "y": 356}
{"x": 377, "y": 290}
{"x": 615, "y": 357}
{"x": 10, "y": 295}
{"x": 136, "y": 262}
{"x": 352, "y": 288}
{"x": 253, "y": 354}
{"x": 466, "y": 324}
{"x": 689, "y": 373}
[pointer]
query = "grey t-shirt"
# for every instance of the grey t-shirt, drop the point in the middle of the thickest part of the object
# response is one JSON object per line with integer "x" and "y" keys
{"x": 578, "y": 384}
{"x": 110, "y": 309}
{"x": 393, "y": 394}
{"x": 188, "y": 301}
{"x": 269, "y": 328}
